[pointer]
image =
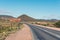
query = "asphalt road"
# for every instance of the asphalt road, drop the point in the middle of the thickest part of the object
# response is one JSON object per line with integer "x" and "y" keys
{"x": 41, "y": 33}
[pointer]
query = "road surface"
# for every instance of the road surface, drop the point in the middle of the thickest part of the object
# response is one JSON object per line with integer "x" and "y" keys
{"x": 44, "y": 33}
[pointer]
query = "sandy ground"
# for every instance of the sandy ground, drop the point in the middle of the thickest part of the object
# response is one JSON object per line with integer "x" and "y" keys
{"x": 23, "y": 34}
{"x": 54, "y": 28}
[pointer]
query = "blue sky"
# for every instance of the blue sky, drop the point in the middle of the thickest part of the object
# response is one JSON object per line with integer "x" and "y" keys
{"x": 39, "y": 9}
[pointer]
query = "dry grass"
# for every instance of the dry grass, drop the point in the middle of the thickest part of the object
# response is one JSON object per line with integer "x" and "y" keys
{"x": 45, "y": 23}
{"x": 7, "y": 27}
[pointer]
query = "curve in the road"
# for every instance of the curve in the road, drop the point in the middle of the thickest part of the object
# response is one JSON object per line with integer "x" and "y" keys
{"x": 43, "y": 34}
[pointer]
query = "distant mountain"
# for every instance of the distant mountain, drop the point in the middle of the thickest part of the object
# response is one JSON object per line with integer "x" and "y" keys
{"x": 26, "y": 18}
{"x": 6, "y": 17}
{"x": 51, "y": 20}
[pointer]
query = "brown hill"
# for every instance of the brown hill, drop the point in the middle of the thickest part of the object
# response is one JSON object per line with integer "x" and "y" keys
{"x": 26, "y": 18}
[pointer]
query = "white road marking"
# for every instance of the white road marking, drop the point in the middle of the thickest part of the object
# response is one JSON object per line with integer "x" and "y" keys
{"x": 56, "y": 35}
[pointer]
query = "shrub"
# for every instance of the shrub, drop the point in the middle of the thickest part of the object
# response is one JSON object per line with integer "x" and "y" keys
{"x": 44, "y": 24}
{"x": 57, "y": 24}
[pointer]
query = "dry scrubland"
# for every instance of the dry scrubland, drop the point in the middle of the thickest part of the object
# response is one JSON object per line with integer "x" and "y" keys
{"x": 7, "y": 27}
{"x": 51, "y": 24}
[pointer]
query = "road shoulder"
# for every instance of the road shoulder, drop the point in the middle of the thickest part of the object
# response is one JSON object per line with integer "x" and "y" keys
{"x": 23, "y": 34}
{"x": 54, "y": 28}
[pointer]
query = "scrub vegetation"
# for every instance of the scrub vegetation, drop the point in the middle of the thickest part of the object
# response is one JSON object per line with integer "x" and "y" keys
{"x": 7, "y": 27}
{"x": 57, "y": 24}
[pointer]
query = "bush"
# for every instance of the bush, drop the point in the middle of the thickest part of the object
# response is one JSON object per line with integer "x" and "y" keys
{"x": 44, "y": 24}
{"x": 57, "y": 24}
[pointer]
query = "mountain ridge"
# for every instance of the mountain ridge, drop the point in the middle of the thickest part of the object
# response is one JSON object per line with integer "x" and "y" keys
{"x": 6, "y": 16}
{"x": 25, "y": 17}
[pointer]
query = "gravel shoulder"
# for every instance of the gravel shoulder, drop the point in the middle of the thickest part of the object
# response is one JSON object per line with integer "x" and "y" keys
{"x": 23, "y": 34}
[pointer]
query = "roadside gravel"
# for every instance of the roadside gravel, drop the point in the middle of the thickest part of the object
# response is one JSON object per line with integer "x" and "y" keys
{"x": 23, "y": 34}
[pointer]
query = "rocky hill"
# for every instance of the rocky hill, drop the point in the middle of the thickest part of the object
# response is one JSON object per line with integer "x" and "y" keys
{"x": 26, "y": 18}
